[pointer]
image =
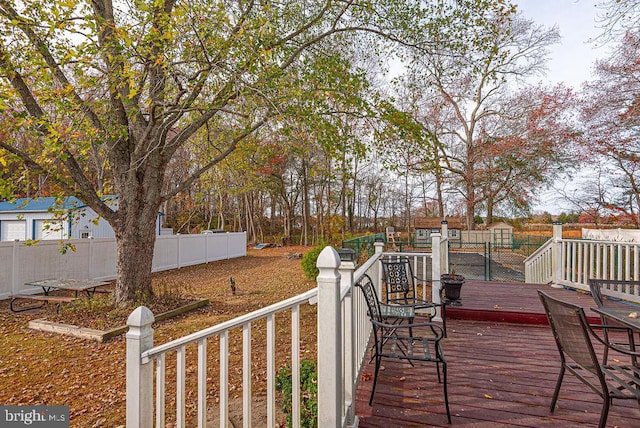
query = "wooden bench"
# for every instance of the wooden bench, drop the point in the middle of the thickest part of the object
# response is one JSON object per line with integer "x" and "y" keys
{"x": 45, "y": 299}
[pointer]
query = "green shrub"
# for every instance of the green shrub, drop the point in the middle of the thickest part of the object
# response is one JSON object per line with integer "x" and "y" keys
{"x": 309, "y": 261}
{"x": 308, "y": 393}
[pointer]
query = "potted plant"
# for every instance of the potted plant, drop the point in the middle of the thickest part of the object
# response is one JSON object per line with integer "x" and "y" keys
{"x": 451, "y": 284}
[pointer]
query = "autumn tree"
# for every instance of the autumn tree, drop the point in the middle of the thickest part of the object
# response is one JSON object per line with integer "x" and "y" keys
{"x": 106, "y": 92}
{"x": 526, "y": 145}
{"x": 617, "y": 17}
{"x": 494, "y": 47}
{"x": 611, "y": 114}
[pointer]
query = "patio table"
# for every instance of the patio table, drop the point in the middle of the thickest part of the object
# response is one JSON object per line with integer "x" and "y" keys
{"x": 629, "y": 317}
{"x": 89, "y": 286}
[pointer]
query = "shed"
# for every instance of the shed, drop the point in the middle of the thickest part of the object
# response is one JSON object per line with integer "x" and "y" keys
{"x": 51, "y": 218}
{"x": 423, "y": 225}
{"x": 501, "y": 233}
{"x": 499, "y": 225}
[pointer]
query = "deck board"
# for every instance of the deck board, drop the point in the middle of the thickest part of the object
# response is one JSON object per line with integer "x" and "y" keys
{"x": 501, "y": 374}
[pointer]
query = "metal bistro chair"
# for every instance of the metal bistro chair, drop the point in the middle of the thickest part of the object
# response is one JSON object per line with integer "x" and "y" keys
{"x": 400, "y": 287}
{"x": 399, "y": 340}
{"x": 595, "y": 286}
{"x": 573, "y": 334}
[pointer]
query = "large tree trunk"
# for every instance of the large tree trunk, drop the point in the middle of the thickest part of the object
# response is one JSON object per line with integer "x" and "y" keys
{"x": 470, "y": 208}
{"x": 489, "y": 218}
{"x": 306, "y": 215}
{"x": 135, "y": 242}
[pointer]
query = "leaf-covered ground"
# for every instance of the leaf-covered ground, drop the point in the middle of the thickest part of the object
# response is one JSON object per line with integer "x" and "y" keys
{"x": 46, "y": 369}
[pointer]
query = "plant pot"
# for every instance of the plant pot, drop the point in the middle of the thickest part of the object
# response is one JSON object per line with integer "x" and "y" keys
{"x": 452, "y": 284}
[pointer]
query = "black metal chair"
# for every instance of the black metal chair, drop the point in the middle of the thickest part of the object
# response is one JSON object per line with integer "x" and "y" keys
{"x": 399, "y": 340}
{"x": 573, "y": 335}
{"x": 595, "y": 286}
{"x": 400, "y": 285}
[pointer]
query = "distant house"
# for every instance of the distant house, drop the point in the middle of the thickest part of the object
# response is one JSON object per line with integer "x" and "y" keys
{"x": 44, "y": 218}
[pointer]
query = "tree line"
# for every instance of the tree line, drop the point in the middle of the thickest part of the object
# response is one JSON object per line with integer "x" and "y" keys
{"x": 302, "y": 119}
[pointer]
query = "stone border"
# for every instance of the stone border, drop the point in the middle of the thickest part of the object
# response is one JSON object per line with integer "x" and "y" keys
{"x": 104, "y": 335}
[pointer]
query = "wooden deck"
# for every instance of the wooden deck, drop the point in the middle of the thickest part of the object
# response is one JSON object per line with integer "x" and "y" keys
{"x": 502, "y": 371}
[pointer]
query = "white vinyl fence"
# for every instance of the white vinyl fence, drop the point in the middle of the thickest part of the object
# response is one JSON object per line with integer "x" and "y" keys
{"x": 96, "y": 258}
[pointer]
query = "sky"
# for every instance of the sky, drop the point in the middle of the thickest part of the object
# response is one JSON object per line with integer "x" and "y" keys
{"x": 571, "y": 61}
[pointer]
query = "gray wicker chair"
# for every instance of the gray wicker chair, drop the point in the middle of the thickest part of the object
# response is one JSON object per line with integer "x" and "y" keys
{"x": 399, "y": 340}
{"x": 573, "y": 336}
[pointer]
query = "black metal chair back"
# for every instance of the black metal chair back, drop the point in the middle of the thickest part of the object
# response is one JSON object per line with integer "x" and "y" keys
{"x": 399, "y": 280}
{"x": 371, "y": 298}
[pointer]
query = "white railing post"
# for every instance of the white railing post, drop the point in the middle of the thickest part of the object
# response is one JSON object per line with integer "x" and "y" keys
{"x": 435, "y": 271}
{"x": 378, "y": 246}
{"x": 347, "y": 267}
{"x": 139, "y": 376}
{"x": 329, "y": 340}
{"x": 556, "y": 250}
{"x": 444, "y": 255}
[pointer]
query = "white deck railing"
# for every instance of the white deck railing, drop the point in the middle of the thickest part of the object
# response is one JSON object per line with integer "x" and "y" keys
{"x": 538, "y": 267}
{"x": 343, "y": 339}
{"x": 572, "y": 262}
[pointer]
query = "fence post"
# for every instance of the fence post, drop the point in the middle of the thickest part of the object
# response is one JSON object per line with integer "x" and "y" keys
{"x": 178, "y": 237}
{"x": 139, "y": 376}
{"x": 329, "y": 340}
{"x": 14, "y": 267}
{"x": 556, "y": 251}
{"x": 90, "y": 270}
{"x": 347, "y": 267}
{"x": 436, "y": 254}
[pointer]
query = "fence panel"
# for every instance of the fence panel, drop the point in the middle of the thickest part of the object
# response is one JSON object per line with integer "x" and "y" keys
{"x": 96, "y": 258}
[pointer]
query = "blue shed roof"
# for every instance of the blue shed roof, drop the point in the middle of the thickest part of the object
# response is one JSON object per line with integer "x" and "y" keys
{"x": 40, "y": 204}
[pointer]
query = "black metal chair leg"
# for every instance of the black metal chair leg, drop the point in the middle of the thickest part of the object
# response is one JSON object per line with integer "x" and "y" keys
{"x": 446, "y": 394}
{"x": 375, "y": 379}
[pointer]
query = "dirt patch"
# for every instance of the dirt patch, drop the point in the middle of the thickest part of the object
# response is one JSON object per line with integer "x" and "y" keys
{"x": 45, "y": 369}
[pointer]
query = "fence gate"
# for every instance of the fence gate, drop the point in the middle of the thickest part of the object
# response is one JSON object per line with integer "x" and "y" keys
{"x": 492, "y": 261}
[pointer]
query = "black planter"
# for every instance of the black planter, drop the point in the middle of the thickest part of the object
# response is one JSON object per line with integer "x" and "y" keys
{"x": 452, "y": 284}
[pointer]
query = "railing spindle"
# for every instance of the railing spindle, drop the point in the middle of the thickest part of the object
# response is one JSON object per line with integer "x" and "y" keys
{"x": 246, "y": 375}
{"x": 180, "y": 386}
{"x": 224, "y": 379}
{"x": 202, "y": 383}
{"x": 160, "y": 391}
{"x": 271, "y": 371}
